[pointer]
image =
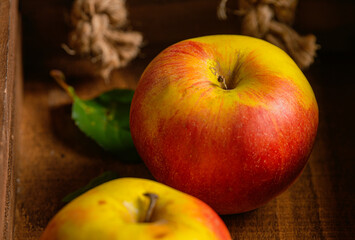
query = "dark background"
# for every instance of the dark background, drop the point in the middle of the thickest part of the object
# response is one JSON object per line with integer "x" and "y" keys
{"x": 55, "y": 158}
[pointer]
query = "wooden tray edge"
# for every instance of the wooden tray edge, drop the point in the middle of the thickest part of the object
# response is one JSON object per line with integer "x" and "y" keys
{"x": 10, "y": 87}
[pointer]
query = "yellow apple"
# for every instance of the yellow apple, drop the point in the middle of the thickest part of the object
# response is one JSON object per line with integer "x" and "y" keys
{"x": 135, "y": 209}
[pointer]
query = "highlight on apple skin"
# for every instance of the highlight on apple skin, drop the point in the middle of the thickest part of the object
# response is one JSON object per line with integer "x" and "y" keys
{"x": 139, "y": 209}
{"x": 228, "y": 119}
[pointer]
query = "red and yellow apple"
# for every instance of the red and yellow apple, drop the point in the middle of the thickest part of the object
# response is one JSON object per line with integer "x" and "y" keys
{"x": 121, "y": 210}
{"x": 228, "y": 119}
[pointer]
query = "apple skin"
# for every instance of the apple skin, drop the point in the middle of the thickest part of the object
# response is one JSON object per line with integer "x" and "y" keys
{"x": 115, "y": 210}
{"x": 235, "y": 149}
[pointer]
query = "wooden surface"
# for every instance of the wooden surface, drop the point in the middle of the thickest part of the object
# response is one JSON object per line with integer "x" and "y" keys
{"x": 55, "y": 158}
{"x": 9, "y": 58}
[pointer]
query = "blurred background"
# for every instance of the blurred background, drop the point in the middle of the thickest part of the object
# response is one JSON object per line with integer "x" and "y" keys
{"x": 55, "y": 158}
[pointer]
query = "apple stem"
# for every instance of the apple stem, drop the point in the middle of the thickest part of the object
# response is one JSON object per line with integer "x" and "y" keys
{"x": 222, "y": 80}
{"x": 153, "y": 201}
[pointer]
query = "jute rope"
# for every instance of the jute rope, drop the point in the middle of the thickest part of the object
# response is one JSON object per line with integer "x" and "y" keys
{"x": 271, "y": 20}
{"x": 98, "y": 33}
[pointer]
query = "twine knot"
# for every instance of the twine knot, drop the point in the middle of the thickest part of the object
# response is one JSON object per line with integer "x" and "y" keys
{"x": 270, "y": 20}
{"x": 98, "y": 34}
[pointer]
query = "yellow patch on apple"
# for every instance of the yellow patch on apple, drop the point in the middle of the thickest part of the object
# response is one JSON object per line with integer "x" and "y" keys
{"x": 139, "y": 209}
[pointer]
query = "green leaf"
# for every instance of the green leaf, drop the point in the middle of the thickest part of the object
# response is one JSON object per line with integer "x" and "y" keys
{"x": 105, "y": 177}
{"x": 105, "y": 119}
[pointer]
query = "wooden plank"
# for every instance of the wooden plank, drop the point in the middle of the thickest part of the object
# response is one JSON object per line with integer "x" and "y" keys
{"x": 8, "y": 44}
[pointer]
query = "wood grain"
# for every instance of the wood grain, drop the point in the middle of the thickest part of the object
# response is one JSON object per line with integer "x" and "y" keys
{"x": 55, "y": 158}
{"x": 9, "y": 37}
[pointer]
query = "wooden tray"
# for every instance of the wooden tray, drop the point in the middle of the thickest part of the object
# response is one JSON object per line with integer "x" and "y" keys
{"x": 43, "y": 156}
